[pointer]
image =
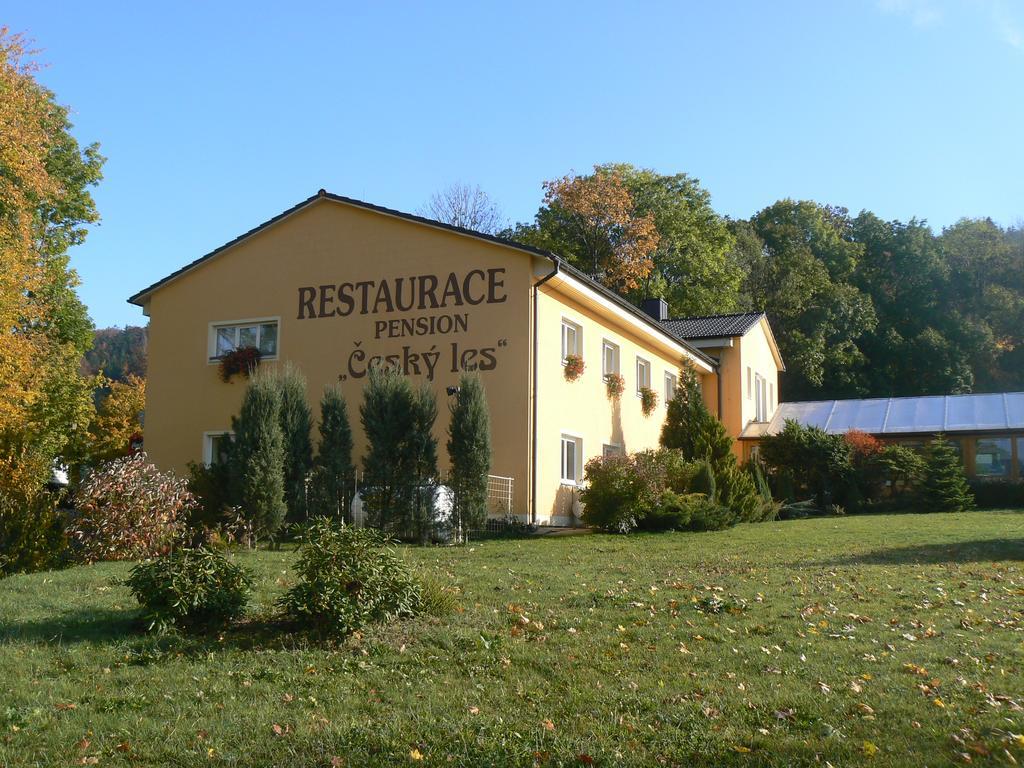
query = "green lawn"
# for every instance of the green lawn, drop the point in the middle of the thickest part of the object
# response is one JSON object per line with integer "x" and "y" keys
{"x": 877, "y": 640}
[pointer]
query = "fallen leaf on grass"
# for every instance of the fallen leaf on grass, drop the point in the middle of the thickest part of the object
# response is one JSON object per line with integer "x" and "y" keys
{"x": 869, "y": 749}
{"x": 548, "y": 725}
{"x": 415, "y": 754}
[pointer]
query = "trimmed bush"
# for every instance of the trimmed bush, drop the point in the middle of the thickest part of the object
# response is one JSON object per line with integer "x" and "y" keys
{"x": 32, "y": 536}
{"x": 194, "y": 590}
{"x": 998, "y": 494}
{"x": 348, "y": 578}
{"x": 128, "y": 509}
{"x": 812, "y": 462}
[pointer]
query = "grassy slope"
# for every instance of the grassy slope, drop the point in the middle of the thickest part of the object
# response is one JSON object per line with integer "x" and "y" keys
{"x": 626, "y": 669}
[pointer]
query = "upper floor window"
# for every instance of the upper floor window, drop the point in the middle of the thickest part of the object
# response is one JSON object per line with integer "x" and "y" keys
{"x": 760, "y": 398}
{"x": 227, "y": 337}
{"x": 643, "y": 374}
{"x": 750, "y": 384}
{"x": 610, "y": 363}
{"x": 570, "y": 339}
{"x": 671, "y": 382}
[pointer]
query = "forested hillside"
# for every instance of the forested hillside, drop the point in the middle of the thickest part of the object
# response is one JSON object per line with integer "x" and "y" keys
{"x": 860, "y": 306}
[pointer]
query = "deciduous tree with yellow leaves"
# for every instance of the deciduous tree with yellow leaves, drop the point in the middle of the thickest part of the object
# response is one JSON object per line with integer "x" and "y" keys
{"x": 45, "y": 206}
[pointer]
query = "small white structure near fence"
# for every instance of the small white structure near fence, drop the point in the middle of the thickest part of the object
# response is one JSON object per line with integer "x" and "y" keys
{"x": 500, "y": 492}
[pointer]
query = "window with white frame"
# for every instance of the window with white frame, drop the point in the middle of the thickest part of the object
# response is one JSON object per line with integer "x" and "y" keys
{"x": 643, "y": 374}
{"x": 771, "y": 397}
{"x": 610, "y": 354}
{"x": 572, "y": 455}
{"x": 750, "y": 389}
{"x": 214, "y": 447}
{"x": 671, "y": 382}
{"x": 611, "y": 449}
{"x": 760, "y": 398}
{"x": 227, "y": 337}
{"x": 571, "y": 334}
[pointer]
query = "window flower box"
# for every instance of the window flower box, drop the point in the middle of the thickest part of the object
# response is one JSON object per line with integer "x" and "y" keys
{"x": 648, "y": 400}
{"x": 574, "y": 367}
{"x": 615, "y": 384}
{"x": 242, "y": 360}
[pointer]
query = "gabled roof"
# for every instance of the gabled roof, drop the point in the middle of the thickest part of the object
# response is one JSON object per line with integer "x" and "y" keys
{"x": 140, "y": 298}
{"x": 714, "y": 326}
{"x": 902, "y": 415}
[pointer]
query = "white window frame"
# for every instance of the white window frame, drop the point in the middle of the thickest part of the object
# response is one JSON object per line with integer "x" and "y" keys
{"x": 671, "y": 385}
{"x": 577, "y": 443}
{"x": 611, "y": 449}
{"x": 567, "y": 326}
{"x": 760, "y": 398}
{"x": 606, "y": 347}
{"x": 642, "y": 364}
{"x": 208, "y": 444}
{"x": 211, "y": 340}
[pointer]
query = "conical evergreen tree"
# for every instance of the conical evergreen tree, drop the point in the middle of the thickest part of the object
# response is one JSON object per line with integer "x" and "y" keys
{"x": 423, "y": 456}
{"x": 387, "y": 415}
{"x": 469, "y": 453}
{"x": 944, "y": 488}
{"x": 296, "y": 424}
{"x": 332, "y": 482}
{"x": 689, "y": 425}
{"x": 257, "y": 457}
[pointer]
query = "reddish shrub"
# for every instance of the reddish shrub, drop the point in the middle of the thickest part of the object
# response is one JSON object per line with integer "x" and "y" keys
{"x": 242, "y": 360}
{"x": 862, "y": 445}
{"x": 128, "y": 509}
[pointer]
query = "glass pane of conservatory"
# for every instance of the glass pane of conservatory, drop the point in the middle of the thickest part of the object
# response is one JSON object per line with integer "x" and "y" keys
{"x": 975, "y": 412}
{"x": 916, "y": 414}
{"x": 992, "y": 457}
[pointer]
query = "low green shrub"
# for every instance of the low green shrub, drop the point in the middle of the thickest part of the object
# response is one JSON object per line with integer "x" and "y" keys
{"x": 192, "y": 589}
{"x": 348, "y": 578}
{"x": 32, "y": 534}
{"x": 998, "y": 494}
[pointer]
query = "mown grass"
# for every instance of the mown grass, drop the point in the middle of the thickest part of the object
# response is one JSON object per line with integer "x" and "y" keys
{"x": 879, "y": 640}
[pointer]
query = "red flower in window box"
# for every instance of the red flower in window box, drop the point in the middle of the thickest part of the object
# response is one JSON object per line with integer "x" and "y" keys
{"x": 574, "y": 367}
{"x": 615, "y": 385}
{"x": 242, "y": 360}
{"x": 648, "y": 400}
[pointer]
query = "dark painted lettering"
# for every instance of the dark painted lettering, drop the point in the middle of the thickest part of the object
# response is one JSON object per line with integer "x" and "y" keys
{"x": 306, "y": 297}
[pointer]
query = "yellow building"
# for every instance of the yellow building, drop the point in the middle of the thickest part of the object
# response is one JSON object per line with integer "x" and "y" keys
{"x": 337, "y": 285}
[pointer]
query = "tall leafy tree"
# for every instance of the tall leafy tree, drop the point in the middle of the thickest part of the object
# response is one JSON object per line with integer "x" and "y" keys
{"x": 422, "y": 446}
{"x": 258, "y": 457}
{"x": 593, "y": 222}
{"x": 691, "y": 270}
{"x": 802, "y": 276}
{"x": 469, "y": 453}
{"x": 45, "y": 207}
{"x": 296, "y": 425}
{"x": 333, "y": 477}
{"x": 117, "y": 353}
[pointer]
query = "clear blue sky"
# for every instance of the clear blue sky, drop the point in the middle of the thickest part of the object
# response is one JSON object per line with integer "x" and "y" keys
{"x": 217, "y": 116}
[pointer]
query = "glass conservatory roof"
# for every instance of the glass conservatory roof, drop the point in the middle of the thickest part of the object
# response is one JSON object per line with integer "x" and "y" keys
{"x": 903, "y": 415}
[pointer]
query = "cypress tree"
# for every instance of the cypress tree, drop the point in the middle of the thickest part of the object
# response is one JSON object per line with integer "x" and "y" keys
{"x": 257, "y": 457}
{"x": 387, "y": 415}
{"x": 423, "y": 457}
{"x": 333, "y": 475}
{"x": 296, "y": 424}
{"x": 469, "y": 453}
{"x": 944, "y": 488}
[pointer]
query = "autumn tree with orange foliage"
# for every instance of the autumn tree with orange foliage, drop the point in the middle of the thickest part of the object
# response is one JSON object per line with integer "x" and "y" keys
{"x": 595, "y": 220}
{"x": 44, "y": 327}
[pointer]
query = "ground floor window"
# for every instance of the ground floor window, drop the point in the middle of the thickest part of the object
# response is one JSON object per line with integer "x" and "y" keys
{"x": 1020, "y": 457}
{"x": 572, "y": 453}
{"x": 611, "y": 449}
{"x": 993, "y": 456}
{"x": 214, "y": 447}
{"x": 227, "y": 337}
